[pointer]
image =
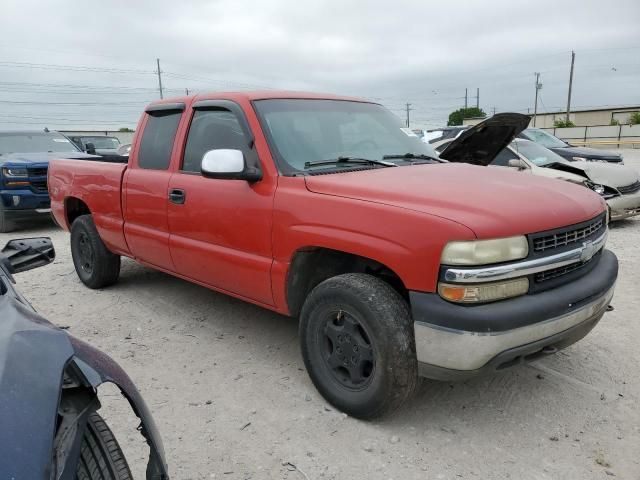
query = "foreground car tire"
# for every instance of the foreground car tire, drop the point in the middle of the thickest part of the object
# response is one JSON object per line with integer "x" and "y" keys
{"x": 358, "y": 345}
{"x": 96, "y": 266}
{"x": 100, "y": 455}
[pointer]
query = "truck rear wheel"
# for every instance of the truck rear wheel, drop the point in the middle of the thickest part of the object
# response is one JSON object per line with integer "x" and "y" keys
{"x": 100, "y": 455}
{"x": 358, "y": 345}
{"x": 96, "y": 266}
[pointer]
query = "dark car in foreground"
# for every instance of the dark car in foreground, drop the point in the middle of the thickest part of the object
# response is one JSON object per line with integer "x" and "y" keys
{"x": 50, "y": 428}
{"x": 568, "y": 151}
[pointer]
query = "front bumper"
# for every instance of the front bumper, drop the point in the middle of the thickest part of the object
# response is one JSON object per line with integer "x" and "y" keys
{"x": 624, "y": 206}
{"x": 458, "y": 341}
{"x": 24, "y": 204}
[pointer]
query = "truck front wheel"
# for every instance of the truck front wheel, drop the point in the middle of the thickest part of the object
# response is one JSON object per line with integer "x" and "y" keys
{"x": 96, "y": 266}
{"x": 358, "y": 345}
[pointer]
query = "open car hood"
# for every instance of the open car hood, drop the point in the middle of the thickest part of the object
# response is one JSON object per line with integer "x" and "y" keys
{"x": 480, "y": 144}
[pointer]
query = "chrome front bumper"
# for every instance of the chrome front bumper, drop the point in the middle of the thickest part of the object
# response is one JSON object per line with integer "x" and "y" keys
{"x": 468, "y": 351}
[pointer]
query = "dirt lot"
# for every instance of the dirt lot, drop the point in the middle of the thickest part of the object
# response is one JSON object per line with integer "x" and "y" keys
{"x": 226, "y": 383}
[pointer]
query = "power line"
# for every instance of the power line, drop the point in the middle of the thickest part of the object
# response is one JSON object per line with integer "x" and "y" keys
{"x": 75, "y": 68}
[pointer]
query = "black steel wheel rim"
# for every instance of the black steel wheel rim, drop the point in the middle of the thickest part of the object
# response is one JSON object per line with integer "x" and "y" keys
{"x": 85, "y": 253}
{"x": 347, "y": 350}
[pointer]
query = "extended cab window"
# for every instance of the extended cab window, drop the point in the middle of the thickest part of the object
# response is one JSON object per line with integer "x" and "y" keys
{"x": 157, "y": 139}
{"x": 210, "y": 130}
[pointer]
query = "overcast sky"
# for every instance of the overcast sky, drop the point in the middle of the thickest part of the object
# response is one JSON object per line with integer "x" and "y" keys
{"x": 94, "y": 60}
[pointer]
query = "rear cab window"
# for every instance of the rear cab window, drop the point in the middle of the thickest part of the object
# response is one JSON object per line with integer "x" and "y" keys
{"x": 158, "y": 139}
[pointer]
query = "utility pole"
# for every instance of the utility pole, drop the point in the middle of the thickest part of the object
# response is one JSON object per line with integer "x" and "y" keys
{"x": 466, "y": 97}
{"x": 186, "y": 91}
{"x": 494, "y": 110}
{"x": 159, "y": 78}
{"x": 573, "y": 58}
{"x": 408, "y": 110}
{"x": 535, "y": 107}
{"x": 478, "y": 98}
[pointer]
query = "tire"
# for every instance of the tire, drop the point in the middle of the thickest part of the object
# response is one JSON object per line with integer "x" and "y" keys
{"x": 5, "y": 225}
{"x": 95, "y": 265}
{"x": 100, "y": 455}
{"x": 365, "y": 317}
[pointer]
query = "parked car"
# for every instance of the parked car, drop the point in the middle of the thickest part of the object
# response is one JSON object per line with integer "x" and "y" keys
{"x": 328, "y": 209}
{"x": 617, "y": 184}
{"x": 568, "y": 151}
{"x": 24, "y": 159}
{"x": 437, "y": 135}
{"x": 97, "y": 144}
{"x": 124, "y": 149}
{"x": 49, "y": 403}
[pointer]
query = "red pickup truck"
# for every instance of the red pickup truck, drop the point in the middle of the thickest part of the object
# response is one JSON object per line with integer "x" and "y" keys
{"x": 398, "y": 264}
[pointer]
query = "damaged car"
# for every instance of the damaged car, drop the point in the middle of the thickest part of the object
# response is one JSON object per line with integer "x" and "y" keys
{"x": 51, "y": 428}
{"x": 618, "y": 185}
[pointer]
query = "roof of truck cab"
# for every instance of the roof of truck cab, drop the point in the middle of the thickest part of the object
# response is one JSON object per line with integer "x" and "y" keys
{"x": 260, "y": 95}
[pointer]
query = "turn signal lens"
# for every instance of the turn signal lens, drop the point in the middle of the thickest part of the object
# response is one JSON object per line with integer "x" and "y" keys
{"x": 484, "y": 252}
{"x": 486, "y": 292}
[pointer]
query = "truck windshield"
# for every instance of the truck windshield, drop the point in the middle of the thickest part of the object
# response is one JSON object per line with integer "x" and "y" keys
{"x": 102, "y": 142}
{"x": 302, "y": 131}
{"x": 35, "y": 142}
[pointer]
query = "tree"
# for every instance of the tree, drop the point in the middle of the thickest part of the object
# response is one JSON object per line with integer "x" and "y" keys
{"x": 125, "y": 129}
{"x": 456, "y": 118}
{"x": 563, "y": 123}
{"x": 634, "y": 118}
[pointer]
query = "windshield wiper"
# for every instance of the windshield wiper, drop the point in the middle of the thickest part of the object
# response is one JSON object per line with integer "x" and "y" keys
{"x": 341, "y": 160}
{"x": 413, "y": 156}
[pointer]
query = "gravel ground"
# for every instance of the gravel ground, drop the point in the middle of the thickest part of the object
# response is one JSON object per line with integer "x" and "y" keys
{"x": 226, "y": 383}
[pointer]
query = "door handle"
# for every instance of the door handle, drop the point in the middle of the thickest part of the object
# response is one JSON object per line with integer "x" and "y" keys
{"x": 177, "y": 195}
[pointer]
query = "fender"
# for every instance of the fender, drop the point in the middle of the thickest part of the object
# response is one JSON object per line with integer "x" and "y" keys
{"x": 34, "y": 355}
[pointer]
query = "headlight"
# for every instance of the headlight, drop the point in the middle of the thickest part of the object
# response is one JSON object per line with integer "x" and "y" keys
{"x": 14, "y": 172}
{"x": 481, "y": 293}
{"x": 599, "y": 189}
{"x": 483, "y": 252}
{"x": 579, "y": 159}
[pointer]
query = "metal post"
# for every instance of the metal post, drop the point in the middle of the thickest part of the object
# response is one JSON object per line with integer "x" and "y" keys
{"x": 408, "y": 110}
{"x": 573, "y": 57}
{"x": 478, "y": 98}
{"x": 159, "y": 77}
{"x": 465, "y": 98}
{"x": 535, "y": 107}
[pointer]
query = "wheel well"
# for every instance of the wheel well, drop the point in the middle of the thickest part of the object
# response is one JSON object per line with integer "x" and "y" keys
{"x": 74, "y": 207}
{"x": 311, "y": 266}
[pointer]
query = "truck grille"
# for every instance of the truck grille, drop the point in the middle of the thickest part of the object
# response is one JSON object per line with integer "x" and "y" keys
{"x": 39, "y": 186}
{"x": 558, "y": 272}
{"x": 38, "y": 172}
{"x": 633, "y": 188}
{"x": 568, "y": 237}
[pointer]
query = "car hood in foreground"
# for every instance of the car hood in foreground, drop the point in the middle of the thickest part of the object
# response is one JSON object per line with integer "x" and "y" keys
{"x": 480, "y": 144}
{"x": 587, "y": 152}
{"x": 601, "y": 173}
{"x": 491, "y": 202}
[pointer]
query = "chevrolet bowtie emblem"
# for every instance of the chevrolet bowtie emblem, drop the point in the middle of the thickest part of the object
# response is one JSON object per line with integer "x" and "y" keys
{"x": 588, "y": 251}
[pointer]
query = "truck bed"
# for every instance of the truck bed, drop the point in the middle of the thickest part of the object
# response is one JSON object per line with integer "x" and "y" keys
{"x": 95, "y": 183}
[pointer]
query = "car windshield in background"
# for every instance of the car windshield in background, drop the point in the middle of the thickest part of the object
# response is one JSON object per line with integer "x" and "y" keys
{"x": 102, "y": 142}
{"x": 544, "y": 138}
{"x": 302, "y": 131}
{"x": 35, "y": 142}
{"x": 536, "y": 153}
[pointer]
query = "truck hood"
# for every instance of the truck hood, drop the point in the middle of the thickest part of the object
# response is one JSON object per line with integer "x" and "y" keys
{"x": 44, "y": 157}
{"x": 587, "y": 152}
{"x": 491, "y": 202}
{"x": 480, "y": 144}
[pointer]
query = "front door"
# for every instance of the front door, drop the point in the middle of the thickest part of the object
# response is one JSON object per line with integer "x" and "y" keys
{"x": 221, "y": 229}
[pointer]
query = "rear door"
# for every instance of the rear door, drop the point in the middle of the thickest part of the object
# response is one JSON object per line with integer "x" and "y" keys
{"x": 146, "y": 185}
{"x": 221, "y": 229}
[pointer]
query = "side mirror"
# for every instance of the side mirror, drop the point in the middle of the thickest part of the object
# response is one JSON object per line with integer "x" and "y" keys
{"x": 90, "y": 149}
{"x": 517, "y": 163}
{"x": 25, "y": 254}
{"x": 228, "y": 164}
